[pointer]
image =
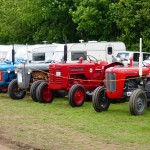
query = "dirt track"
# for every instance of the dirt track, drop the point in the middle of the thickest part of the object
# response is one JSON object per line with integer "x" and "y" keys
{"x": 7, "y": 144}
{"x": 2, "y": 147}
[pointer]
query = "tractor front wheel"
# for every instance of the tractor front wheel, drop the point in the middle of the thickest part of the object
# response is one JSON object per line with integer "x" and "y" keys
{"x": 43, "y": 94}
{"x": 33, "y": 90}
{"x": 76, "y": 95}
{"x": 100, "y": 100}
{"x": 138, "y": 102}
{"x": 14, "y": 92}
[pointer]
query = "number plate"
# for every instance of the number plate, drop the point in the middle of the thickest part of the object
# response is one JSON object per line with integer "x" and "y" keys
{"x": 19, "y": 76}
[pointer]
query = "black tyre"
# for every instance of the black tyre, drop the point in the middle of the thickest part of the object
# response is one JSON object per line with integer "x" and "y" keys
{"x": 138, "y": 102}
{"x": 14, "y": 92}
{"x": 43, "y": 94}
{"x": 76, "y": 95}
{"x": 100, "y": 100}
{"x": 33, "y": 90}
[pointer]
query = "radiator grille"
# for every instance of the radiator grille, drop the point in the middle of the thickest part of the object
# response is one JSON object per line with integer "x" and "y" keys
{"x": 20, "y": 75}
{"x": 111, "y": 81}
{"x": 56, "y": 79}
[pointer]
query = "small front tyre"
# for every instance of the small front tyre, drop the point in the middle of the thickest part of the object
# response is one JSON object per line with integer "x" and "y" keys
{"x": 76, "y": 95}
{"x": 138, "y": 102}
{"x": 14, "y": 92}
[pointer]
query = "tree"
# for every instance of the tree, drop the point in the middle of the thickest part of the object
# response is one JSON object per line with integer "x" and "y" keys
{"x": 92, "y": 19}
{"x": 133, "y": 20}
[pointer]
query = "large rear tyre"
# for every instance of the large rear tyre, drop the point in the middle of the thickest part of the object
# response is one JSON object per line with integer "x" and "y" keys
{"x": 44, "y": 95}
{"x": 100, "y": 100}
{"x": 76, "y": 95}
{"x": 33, "y": 90}
{"x": 14, "y": 92}
{"x": 138, "y": 102}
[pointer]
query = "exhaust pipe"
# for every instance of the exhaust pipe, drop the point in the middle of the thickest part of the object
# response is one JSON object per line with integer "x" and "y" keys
{"x": 65, "y": 53}
{"x": 13, "y": 55}
{"x": 140, "y": 58}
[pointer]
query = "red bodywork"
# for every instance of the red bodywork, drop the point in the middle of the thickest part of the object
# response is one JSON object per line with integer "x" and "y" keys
{"x": 116, "y": 77}
{"x": 1, "y": 76}
{"x": 89, "y": 74}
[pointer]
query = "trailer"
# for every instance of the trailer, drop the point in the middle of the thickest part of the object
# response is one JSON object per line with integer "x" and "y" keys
{"x": 102, "y": 51}
{"x": 4, "y": 50}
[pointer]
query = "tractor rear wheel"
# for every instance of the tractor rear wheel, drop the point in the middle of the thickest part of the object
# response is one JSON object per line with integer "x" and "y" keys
{"x": 76, "y": 95}
{"x": 14, "y": 92}
{"x": 138, "y": 102}
{"x": 33, "y": 90}
{"x": 43, "y": 94}
{"x": 100, "y": 100}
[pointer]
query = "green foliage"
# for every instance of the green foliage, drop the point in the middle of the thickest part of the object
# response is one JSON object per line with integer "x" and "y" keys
{"x": 91, "y": 18}
{"x": 34, "y": 21}
{"x": 133, "y": 20}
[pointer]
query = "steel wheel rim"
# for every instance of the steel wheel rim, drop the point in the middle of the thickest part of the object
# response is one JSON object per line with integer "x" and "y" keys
{"x": 79, "y": 96}
{"x": 47, "y": 94}
{"x": 140, "y": 104}
{"x": 103, "y": 100}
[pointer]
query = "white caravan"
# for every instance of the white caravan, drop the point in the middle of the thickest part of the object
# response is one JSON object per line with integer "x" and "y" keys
{"x": 40, "y": 52}
{"x": 7, "y": 53}
{"x": 99, "y": 50}
{"x": 4, "y": 50}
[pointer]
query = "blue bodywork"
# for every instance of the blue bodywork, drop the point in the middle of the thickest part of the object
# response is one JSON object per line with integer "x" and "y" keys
{"x": 7, "y": 73}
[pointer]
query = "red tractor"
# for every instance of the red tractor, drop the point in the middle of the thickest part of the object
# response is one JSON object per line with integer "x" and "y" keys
{"x": 124, "y": 83}
{"x": 78, "y": 79}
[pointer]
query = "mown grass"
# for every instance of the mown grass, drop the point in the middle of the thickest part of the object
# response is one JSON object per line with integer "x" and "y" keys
{"x": 59, "y": 126}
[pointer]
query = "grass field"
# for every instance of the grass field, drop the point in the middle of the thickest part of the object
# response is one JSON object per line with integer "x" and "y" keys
{"x": 59, "y": 126}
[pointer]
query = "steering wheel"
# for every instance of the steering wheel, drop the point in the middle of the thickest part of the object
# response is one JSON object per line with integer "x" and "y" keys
{"x": 90, "y": 57}
{"x": 145, "y": 64}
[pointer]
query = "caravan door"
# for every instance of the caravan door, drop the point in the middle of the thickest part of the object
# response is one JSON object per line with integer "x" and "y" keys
{"x": 109, "y": 53}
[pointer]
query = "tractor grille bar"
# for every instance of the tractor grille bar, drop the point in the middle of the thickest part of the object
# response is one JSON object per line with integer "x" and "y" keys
{"x": 20, "y": 75}
{"x": 111, "y": 81}
{"x": 56, "y": 77}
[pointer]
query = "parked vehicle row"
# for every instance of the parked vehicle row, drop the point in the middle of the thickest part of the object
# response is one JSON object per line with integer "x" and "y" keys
{"x": 83, "y": 71}
{"x": 31, "y": 72}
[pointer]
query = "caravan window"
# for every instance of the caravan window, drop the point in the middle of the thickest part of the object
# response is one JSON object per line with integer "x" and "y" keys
{"x": 109, "y": 50}
{"x": 136, "y": 57}
{"x": 123, "y": 55}
{"x": 3, "y": 55}
{"x": 38, "y": 56}
{"x": 77, "y": 55}
{"x": 146, "y": 56}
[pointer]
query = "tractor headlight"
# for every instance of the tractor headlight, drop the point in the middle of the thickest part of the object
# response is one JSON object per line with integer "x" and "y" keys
{"x": 58, "y": 73}
{"x": 16, "y": 70}
{"x": 8, "y": 71}
{"x": 29, "y": 71}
